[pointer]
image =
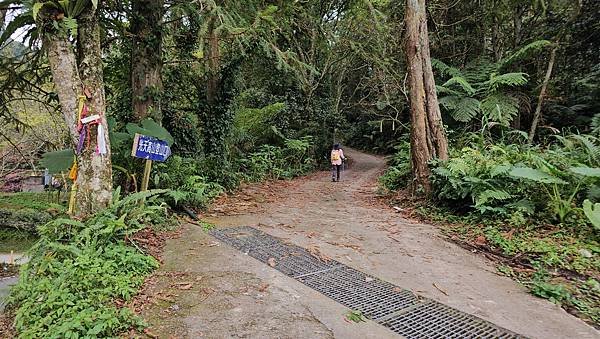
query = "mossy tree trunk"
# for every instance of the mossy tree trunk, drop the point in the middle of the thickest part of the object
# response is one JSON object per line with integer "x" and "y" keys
{"x": 146, "y": 58}
{"x": 76, "y": 75}
{"x": 427, "y": 136}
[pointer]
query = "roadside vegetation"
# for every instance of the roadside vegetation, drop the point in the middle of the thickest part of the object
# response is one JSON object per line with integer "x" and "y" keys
{"x": 490, "y": 116}
{"x": 525, "y": 205}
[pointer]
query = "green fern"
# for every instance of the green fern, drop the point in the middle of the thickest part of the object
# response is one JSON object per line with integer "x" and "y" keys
{"x": 491, "y": 195}
{"x": 445, "y": 69}
{"x": 479, "y": 90}
{"x": 462, "y": 82}
{"x": 525, "y": 52}
{"x": 463, "y": 109}
{"x": 507, "y": 79}
{"x": 592, "y": 150}
{"x": 500, "y": 108}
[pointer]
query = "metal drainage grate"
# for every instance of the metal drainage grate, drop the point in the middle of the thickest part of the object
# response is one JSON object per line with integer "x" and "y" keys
{"x": 292, "y": 260}
{"x": 435, "y": 320}
{"x": 288, "y": 259}
{"x": 400, "y": 310}
{"x": 244, "y": 238}
{"x": 373, "y": 297}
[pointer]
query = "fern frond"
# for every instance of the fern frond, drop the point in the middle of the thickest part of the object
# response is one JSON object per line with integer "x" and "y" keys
{"x": 525, "y": 52}
{"x": 445, "y": 69}
{"x": 445, "y": 90}
{"x": 462, "y": 83}
{"x": 591, "y": 148}
{"x": 491, "y": 195}
{"x": 499, "y": 170}
{"x": 479, "y": 70}
{"x": 506, "y": 79}
{"x": 500, "y": 108}
{"x": 462, "y": 109}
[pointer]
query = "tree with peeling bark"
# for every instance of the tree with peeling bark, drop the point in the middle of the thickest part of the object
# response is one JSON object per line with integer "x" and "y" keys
{"x": 427, "y": 135}
{"x": 78, "y": 82}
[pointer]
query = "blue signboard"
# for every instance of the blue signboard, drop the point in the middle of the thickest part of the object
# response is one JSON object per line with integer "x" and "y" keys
{"x": 150, "y": 148}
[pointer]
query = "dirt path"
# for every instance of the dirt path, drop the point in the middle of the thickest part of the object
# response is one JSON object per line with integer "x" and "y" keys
{"x": 206, "y": 289}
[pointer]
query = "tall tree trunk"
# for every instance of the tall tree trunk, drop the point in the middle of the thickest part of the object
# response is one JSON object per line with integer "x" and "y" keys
{"x": 214, "y": 66}
{"x": 2, "y": 18}
{"x": 214, "y": 129}
{"x": 74, "y": 78}
{"x": 434, "y": 115}
{"x": 518, "y": 25}
{"x": 146, "y": 58}
{"x": 496, "y": 39}
{"x": 428, "y": 139}
{"x": 538, "y": 110}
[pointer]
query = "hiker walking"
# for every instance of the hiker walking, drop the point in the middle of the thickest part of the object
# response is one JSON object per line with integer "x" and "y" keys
{"x": 337, "y": 158}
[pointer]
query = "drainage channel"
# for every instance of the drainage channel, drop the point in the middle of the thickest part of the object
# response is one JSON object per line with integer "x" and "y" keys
{"x": 398, "y": 309}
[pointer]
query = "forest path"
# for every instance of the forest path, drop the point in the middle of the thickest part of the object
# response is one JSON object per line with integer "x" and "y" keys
{"x": 212, "y": 290}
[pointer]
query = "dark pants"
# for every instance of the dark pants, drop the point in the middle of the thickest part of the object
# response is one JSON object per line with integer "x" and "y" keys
{"x": 335, "y": 172}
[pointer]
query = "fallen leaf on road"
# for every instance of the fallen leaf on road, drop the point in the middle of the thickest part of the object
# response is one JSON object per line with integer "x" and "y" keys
{"x": 397, "y": 289}
{"x": 316, "y": 252}
{"x": 393, "y": 230}
{"x": 271, "y": 262}
{"x": 149, "y": 333}
{"x": 357, "y": 248}
{"x": 481, "y": 241}
{"x": 263, "y": 287}
{"x": 185, "y": 287}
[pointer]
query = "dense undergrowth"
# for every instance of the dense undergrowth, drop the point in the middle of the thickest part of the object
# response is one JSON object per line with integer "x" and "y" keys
{"x": 78, "y": 269}
{"x": 195, "y": 182}
{"x": 525, "y": 204}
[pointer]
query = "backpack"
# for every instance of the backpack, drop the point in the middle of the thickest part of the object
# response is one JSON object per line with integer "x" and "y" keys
{"x": 335, "y": 155}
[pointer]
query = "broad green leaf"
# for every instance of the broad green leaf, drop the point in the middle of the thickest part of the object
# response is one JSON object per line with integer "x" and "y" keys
{"x": 592, "y": 211}
{"x": 535, "y": 175}
{"x": 95, "y": 3}
{"x": 57, "y": 161}
{"x": 150, "y": 128}
{"x": 586, "y": 171}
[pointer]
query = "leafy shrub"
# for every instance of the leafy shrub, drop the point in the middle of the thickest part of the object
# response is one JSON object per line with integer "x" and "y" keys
{"x": 275, "y": 162}
{"x": 186, "y": 186}
{"x": 398, "y": 174}
{"x": 77, "y": 269}
{"x": 511, "y": 179}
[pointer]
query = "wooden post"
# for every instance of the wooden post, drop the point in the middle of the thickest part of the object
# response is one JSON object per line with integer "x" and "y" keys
{"x": 72, "y": 198}
{"x": 146, "y": 178}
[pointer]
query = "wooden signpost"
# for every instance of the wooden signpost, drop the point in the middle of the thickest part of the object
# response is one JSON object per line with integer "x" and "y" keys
{"x": 151, "y": 149}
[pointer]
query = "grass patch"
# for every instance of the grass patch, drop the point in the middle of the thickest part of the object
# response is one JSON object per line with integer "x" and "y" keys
{"x": 15, "y": 240}
{"x": 26, "y": 211}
